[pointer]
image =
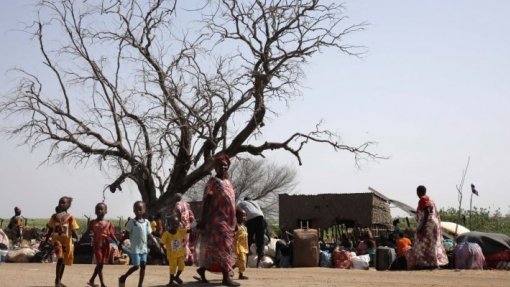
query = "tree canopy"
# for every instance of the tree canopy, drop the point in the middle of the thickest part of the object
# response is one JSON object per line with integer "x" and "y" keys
{"x": 153, "y": 90}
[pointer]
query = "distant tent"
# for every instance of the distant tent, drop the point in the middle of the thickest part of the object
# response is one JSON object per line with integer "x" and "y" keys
{"x": 450, "y": 227}
{"x": 491, "y": 243}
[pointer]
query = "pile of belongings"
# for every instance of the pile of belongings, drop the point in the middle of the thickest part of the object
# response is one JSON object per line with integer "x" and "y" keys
{"x": 495, "y": 248}
{"x": 268, "y": 260}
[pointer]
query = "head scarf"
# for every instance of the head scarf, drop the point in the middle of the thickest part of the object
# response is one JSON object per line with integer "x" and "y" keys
{"x": 222, "y": 158}
{"x": 424, "y": 202}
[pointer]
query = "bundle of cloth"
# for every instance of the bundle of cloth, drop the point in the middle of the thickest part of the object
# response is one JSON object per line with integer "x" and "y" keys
{"x": 495, "y": 247}
{"x": 268, "y": 260}
{"x": 4, "y": 240}
{"x": 22, "y": 255}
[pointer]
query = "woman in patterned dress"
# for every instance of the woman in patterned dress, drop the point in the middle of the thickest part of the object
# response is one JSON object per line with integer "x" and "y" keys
{"x": 428, "y": 244}
{"x": 215, "y": 252}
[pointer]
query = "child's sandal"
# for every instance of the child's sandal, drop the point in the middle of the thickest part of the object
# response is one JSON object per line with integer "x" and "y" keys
{"x": 178, "y": 280}
{"x": 122, "y": 282}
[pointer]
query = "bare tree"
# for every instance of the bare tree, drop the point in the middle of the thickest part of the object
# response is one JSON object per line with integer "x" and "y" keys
{"x": 152, "y": 95}
{"x": 257, "y": 179}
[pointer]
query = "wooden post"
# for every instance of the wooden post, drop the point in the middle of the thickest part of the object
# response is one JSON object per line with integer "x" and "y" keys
{"x": 459, "y": 190}
{"x": 470, "y": 208}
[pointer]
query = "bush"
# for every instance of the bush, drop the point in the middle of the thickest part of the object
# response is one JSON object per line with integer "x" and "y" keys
{"x": 481, "y": 219}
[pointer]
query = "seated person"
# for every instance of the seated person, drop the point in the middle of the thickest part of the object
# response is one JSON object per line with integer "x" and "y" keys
{"x": 403, "y": 243}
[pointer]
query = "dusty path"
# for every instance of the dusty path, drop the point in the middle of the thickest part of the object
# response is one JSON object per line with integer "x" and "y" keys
{"x": 42, "y": 275}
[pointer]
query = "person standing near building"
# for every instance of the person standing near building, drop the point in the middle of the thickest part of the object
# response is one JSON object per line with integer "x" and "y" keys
{"x": 428, "y": 244}
{"x": 255, "y": 224}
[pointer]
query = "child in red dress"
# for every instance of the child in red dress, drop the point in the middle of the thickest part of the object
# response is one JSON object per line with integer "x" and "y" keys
{"x": 102, "y": 232}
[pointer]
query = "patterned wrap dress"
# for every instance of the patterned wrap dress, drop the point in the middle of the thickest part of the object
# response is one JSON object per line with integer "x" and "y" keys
{"x": 215, "y": 247}
{"x": 428, "y": 246}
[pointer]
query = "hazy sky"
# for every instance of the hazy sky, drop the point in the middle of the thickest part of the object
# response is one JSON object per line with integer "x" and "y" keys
{"x": 433, "y": 89}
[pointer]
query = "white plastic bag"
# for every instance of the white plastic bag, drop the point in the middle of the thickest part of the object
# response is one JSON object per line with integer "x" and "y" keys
{"x": 265, "y": 262}
{"x": 361, "y": 262}
{"x": 252, "y": 261}
{"x": 270, "y": 249}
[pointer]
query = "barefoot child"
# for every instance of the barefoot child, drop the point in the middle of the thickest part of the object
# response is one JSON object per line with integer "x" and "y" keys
{"x": 241, "y": 243}
{"x": 103, "y": 230}
{"x": 62, "y": 228}
{"x": 174, "y": 242}
{"x": 138, "y": 230}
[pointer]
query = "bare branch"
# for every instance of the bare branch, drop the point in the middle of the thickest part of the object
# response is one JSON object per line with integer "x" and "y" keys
{"x": 152, "y": 98}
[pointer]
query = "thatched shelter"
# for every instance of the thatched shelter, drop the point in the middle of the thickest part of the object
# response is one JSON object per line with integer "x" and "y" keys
{"x": 321, "y": 211}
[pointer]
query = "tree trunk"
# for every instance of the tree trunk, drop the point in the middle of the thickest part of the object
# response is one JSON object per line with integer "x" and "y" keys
{"x": 147, "y": 190}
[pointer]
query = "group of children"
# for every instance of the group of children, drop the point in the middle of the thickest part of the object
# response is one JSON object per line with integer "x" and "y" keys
{"x": 63, "y": 226}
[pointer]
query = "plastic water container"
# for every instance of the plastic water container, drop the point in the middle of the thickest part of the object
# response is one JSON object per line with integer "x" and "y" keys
{"x": 3, "y": 253}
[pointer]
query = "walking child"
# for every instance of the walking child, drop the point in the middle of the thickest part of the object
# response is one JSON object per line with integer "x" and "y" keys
{"x": 241, "y": 243}
{"x": 174, "y": 242}
{"x": 62, "y": 228}
{"x": 138, "y": 230}
{"x": 103, "y": 231}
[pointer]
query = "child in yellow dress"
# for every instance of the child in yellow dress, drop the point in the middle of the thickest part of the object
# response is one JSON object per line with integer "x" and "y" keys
{"x": 62, "y": 228}
{"x": 173, "y": 240}
{"x": 241, "y": 243}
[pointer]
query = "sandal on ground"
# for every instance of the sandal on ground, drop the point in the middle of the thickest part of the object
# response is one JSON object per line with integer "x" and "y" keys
{"x": 200, "y": 279}
{"x": 92, "y": 284}
{"x": 122, "y": 282}
{"x": 178, "y": 280}
{"x": 202, "y": 276}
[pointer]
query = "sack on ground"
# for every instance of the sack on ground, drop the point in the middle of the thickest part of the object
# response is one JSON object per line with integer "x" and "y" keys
{"x": 271, "y": 247}
{"x": 468, "y": 255}
{"x": 23, "y": 255}
{"x": 265, "y": 262}
{"x": 341, "y": 259}
{"x": 361, "y": 262}
{"x": 325, "y": 259}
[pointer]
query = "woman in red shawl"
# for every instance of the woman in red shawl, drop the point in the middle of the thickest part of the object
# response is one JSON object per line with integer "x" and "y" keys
{"x": 428, "y": 244}
{"x": 215, "y": 251}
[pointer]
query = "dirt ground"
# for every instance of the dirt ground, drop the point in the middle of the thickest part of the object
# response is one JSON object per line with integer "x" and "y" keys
{"x": 42, "y": 275}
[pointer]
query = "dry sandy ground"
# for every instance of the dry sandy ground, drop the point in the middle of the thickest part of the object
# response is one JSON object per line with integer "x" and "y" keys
{"x": 42, "y": 275}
